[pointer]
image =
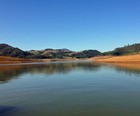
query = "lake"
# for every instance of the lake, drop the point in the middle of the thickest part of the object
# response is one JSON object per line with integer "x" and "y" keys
{"x": 69, "y": 89}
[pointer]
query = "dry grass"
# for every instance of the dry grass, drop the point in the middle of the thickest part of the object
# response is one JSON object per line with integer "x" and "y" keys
{"x": 118, "y": 59}
{"x": 129, "y": 62}
{"x": 12, "y": 60}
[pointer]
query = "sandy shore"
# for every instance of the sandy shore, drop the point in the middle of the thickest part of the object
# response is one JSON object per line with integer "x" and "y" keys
{"x": 12, "y": 60}
{"x": 118, "y": 59}
{"x": 131, "y": 59}
{"x": 129, "y": 62}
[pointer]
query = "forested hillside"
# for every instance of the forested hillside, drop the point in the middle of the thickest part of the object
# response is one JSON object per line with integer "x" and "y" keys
{"x": 129, "y": 49}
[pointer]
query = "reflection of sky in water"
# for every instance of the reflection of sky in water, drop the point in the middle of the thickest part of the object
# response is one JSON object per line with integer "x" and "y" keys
{"x": 76, "y": 89}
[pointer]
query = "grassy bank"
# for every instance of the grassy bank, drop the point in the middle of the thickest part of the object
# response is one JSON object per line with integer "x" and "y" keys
{"x": 12, "y": 60}
{"x": 118, "y": 59}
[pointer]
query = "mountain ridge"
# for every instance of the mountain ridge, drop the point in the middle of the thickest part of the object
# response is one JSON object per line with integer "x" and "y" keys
{"x": 7, "y": 50}
{"x": 49, "y": 53}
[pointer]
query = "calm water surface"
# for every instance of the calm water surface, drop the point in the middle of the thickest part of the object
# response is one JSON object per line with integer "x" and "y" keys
{"x": 69, "y": 89}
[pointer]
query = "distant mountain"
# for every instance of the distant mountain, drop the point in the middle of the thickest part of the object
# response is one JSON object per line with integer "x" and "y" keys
{"x": 129, "y": 49}
{"x": 62, "y": 53}
{"x": 64, "y": 50}
{"x": 7, "y": 50}
{"x": 86, "y": 54}
{"x": 50, "y": 53}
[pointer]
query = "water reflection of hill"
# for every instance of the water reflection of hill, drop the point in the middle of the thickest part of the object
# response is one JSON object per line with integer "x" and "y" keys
{"x": 13, "y": 72}
{"x": 129, "y": 68}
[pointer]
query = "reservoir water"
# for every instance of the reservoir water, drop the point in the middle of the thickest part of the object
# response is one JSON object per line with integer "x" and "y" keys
{"x": 69, "y": 89}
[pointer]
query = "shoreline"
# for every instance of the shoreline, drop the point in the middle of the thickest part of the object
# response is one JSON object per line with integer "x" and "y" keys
{"x": 13, "y": 60}
{"x": 131, "y": 62}
{"x": 127, "y": 59}
{"x": 4, "y": 61}
{"x": 131, "y": 59}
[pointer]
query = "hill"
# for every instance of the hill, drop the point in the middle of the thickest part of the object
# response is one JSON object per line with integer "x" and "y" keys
{"x": 7, "y": 50}
{"x": 86, "y": 54}
{"x": 50, "y": 53}
{"x": 129, "y": 49}
{"x": 62, "y": 53}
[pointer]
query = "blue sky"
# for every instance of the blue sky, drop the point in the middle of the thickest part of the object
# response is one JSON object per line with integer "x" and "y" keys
{"x": 73, "y": 24}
